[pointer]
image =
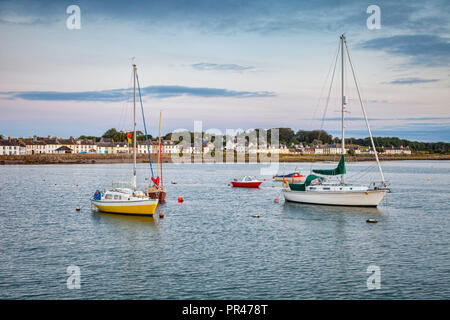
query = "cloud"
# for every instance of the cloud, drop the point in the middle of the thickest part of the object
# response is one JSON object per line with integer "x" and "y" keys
{"x": 424, "y": 49}
{"x": 221, "y": 67}
{"x": 116, "y": 95}
{"x": 413, "y": 81}
{"x": 239, "y": 16}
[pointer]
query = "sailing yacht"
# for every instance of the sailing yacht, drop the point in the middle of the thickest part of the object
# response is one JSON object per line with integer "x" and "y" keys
{"x": 124, "y": 198}
{"x": 318, "y": 188}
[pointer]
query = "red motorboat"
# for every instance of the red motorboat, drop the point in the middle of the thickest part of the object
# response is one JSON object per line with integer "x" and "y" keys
{"x": 246, "y": 182}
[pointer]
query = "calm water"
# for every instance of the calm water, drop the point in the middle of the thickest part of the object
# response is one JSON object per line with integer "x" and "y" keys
{"x": 209, "y": 247}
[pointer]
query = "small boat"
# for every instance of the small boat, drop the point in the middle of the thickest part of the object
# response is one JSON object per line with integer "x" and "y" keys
{"x": 120, "y": 200}
{"x": 124, "y": 198}
{"x": 290, "y": 177}
{"x": 246, "y": 182}
{"x": 156, "y": 192}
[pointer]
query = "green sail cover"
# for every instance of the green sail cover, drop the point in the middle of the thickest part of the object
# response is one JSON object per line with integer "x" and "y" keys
{"x": 340, "y": 169}
{"x": 302, "y": 186}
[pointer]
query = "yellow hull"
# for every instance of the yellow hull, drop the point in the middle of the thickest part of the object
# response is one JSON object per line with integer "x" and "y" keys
{"x": 144, "y": 209}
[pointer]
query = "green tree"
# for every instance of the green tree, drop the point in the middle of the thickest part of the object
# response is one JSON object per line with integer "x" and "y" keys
{"x": 285, "y": 135}
{"x": 118, "y": 136}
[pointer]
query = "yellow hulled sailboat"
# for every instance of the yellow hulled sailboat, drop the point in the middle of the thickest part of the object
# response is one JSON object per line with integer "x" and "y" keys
{"x": 123, "y": 198}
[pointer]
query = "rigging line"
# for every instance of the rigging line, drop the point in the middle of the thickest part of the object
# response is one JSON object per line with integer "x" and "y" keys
{"x": 145, "y": 127}
{"x": 124, "y": 119}
{"x": 123, "y": 114}
{"x": 365, "y": 116}
{"x": 328, "y": 99}
{"x": 358, "y": 176}
{"x": 325, "y": 82}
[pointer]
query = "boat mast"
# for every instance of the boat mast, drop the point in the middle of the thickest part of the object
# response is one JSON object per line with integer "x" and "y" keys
{"x": 134, "y": 136}
{"x": 160, "y": 153}
{"x": 343, "y": 101}
{"x": 365, "y": 118}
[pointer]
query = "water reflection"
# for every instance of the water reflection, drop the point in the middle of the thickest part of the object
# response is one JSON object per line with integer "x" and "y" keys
{"x": 124, "y": 220}
{"x": 318, "y": 210}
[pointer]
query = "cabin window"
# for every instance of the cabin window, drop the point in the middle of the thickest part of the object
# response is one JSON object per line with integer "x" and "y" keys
{"x": 351, "y": 188}
{"x": 312, "y": 188}
{"x": 108, "y": 196}
{"x": 116, "y": 197}
{"x": 326, "y": 188}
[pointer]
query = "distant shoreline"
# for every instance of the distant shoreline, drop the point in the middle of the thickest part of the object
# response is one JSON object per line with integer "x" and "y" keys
{"x": 167, "y": 158}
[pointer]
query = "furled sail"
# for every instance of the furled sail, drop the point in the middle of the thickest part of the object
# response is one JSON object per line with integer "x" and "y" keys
{"x": 302, "y": 186}
{"x": 340, "y": 169}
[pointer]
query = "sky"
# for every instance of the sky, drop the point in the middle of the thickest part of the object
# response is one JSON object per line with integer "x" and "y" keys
{"x": 231, "y": 64}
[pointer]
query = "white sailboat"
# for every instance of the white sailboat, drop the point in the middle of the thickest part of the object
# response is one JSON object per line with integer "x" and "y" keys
{"x": 317, "y": 189}
{"x": 123, "y": 198}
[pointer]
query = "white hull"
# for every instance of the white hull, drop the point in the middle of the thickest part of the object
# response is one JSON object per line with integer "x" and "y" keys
{"x": 370, "y": 198}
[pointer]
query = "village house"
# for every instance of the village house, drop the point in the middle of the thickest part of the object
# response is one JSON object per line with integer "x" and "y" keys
{"x": 364, "y": 150}
{"x": 63, "y": 149}
{"x": 68, "y": 143}
{"x": 50, "y": 144}
{"x": 394, "y": 150}
{"x": 85, "y": 146}
{"x": 105, "y": 147}
{"x": 12, "y": 147}
{"x": 121, "y": 147}
{"x": 169, "y": 147}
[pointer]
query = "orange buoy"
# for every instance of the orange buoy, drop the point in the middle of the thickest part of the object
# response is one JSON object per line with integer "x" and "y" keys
{"x": 180, "y": 199}
{"x": 264, "y": 179}
{"x": 161, "y": 215}
{"x": 367, "y": 192}
{"x": 276, "y": 200}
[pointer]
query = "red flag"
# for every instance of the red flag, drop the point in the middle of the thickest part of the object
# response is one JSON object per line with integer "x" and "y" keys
{"x": 156, "y": 181}
{"x": 129, "y": 137}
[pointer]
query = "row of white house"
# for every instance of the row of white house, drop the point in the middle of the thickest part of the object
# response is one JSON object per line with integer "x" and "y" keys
{"x": 39, "y": 145}
{"x": 357, "y": 149}
{"x": 55, "y": 145}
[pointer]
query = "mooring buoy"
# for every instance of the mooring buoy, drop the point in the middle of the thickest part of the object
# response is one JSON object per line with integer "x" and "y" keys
{"x": 371, "y": 221}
